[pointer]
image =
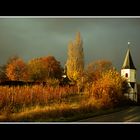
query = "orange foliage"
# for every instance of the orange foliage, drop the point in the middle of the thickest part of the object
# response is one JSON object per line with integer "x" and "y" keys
{"x": 3, "y": 76}
{"x": 109, "y": 89}
{"x": 41, "y": 69}
{"x": 96, "y": 68}
{"x": 16, "y": 98}
{"x": 17, "y": 70}
{"x": 53, "y": 66}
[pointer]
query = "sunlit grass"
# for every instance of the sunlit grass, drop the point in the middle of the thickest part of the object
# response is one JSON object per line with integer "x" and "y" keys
{"x": 16, "y": 98}
{"x": 55, "y": 111}
{"x": 25, "y": 103}
{"x": 38, "y": 103}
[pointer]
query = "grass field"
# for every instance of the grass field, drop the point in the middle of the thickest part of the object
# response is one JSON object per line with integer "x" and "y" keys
{"x": 38, "y": 103}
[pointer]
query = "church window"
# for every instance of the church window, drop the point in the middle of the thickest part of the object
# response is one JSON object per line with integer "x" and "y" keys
{"x": 126, "y": 75}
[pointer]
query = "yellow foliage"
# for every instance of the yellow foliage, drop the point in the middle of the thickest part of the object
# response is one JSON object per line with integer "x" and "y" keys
{"x": 41, "y": 69}
{"x": 108, "y": 90}
{"x": 75, "y": 61}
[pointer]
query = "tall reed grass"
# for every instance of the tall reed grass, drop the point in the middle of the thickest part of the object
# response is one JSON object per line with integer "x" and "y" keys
{"x": 12, "y": 99}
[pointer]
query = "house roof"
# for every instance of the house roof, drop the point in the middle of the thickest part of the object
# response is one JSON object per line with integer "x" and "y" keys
{"x": 128, "y": 62}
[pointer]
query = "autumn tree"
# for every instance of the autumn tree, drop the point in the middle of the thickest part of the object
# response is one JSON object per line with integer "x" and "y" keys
{"x": 16, "y": 69}
{"x": 3, "y": 76}
{"x": 96, "y": 68}
{"x": 109, "y": 90}
{"x": 53, "y": 67}
{"x": 41, "y": 69}
{"x": 11, "y": 59}
{"x": 36, "y": 70}
{"x": 75, "y": 61}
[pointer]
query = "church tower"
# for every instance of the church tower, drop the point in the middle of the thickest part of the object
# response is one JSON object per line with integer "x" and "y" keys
{"x": 128, "y": 71}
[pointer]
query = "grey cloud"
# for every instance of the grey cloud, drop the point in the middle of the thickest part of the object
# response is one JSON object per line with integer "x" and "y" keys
{"x": 103, "y": 38}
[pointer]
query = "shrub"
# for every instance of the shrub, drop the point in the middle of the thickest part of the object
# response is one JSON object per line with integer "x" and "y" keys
{"x": 109, "y": 89}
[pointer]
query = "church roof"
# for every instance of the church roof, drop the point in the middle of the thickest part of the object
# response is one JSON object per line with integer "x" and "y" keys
{"x": 128, "y": 62}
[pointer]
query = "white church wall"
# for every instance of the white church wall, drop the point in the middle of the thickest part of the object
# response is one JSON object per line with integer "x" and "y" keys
{"x": 131, "y": 74}
{"x": 131, "y": 77}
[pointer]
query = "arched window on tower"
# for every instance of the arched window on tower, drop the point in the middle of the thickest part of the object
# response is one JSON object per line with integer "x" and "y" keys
{"x": 126, "y": 75}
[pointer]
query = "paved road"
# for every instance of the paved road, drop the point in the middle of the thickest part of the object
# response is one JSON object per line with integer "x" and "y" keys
{"x": 132, "y": 114}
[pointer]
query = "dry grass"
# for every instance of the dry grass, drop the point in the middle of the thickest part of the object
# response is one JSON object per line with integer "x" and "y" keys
{"x": 38, "y": 103}
{"x": 53, "y": 112}
{"x": 13, "y": 99}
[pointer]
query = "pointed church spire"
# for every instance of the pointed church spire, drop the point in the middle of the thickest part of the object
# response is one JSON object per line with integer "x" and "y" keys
{"x": 128, "y": 62}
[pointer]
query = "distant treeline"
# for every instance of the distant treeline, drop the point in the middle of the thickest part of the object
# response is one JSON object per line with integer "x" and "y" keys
{"x": 21, "y": 83}
{"x": 63, "y": 82}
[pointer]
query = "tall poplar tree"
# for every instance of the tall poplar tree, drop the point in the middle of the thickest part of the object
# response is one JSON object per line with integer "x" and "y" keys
{"x": 75, "y": 60}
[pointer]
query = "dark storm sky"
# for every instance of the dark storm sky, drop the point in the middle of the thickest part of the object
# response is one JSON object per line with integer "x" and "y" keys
{"x": 103, "y": 38}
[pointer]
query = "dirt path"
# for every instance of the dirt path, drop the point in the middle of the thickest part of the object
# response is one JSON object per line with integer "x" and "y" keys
{"x": 131, "y": 114}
